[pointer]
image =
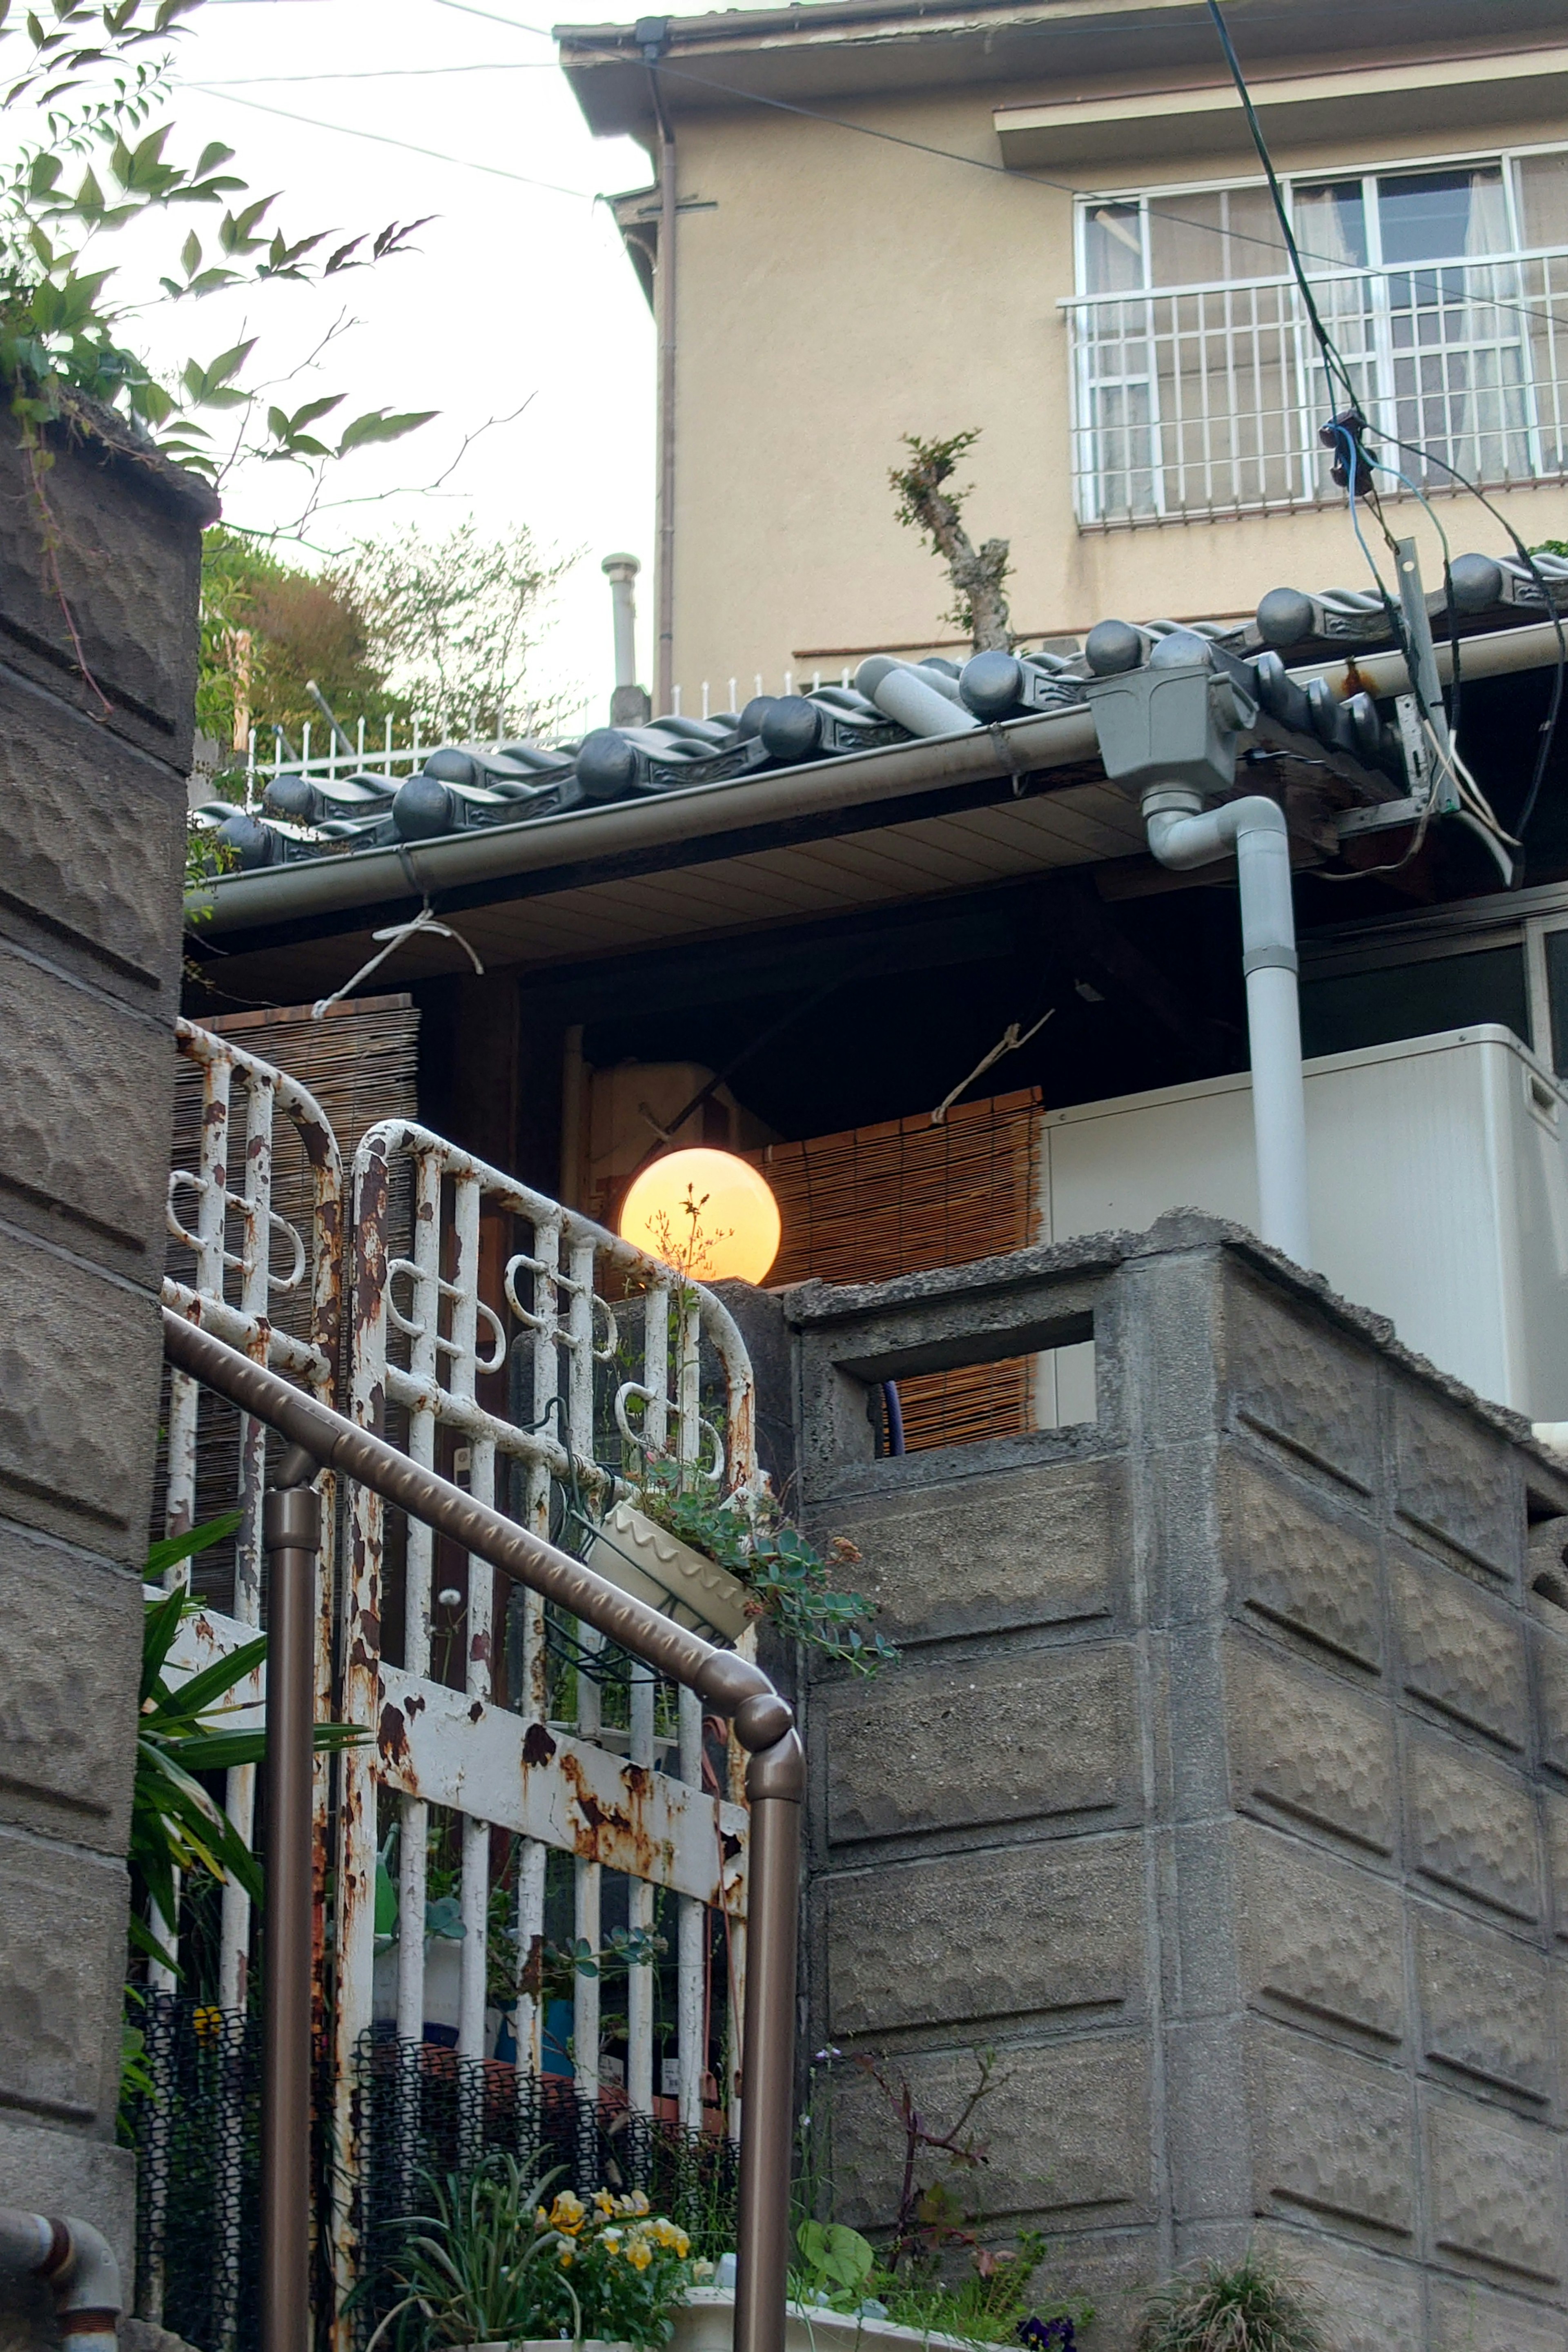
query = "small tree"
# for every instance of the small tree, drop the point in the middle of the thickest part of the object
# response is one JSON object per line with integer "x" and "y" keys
{"x": 454, "y": 622}
{"x": 926, "y": 505}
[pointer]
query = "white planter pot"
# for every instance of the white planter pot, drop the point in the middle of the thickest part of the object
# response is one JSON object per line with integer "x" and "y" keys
{"x": 636, "y": 1557}
{"x": 706, "y": 2323}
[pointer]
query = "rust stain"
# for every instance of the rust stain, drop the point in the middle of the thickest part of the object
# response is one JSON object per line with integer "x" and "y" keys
{"x": 391, "y": 1735}
{"x": 538, "y": 1747}
{"x": 415, "y": 1703}
{"x": 476, "y": 1710}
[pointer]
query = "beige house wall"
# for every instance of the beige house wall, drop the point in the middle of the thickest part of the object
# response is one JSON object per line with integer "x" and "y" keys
{"x": 836, "y": 291}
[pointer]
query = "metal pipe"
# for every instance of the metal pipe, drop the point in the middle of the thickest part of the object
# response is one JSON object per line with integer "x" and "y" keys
{"x": 776, "y": 1788}
{"x": 621, "y": 572}
{"x": 1183, "y": 834}
{"x": 77, "y": 2263}
{"x": 237, "y": 902}
{"x": 664, "y": 304}
{"x": 292, "y": 1533}
{"x": 764, "y": 1724}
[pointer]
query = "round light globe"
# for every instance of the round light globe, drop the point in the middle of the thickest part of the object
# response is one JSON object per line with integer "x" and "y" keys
{"x": 706, "y": 1212}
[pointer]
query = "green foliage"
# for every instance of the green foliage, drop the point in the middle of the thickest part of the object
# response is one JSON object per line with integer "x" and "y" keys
{"x": 494, "y": 2262}
{"x": 471, "y": 2269}
{"x": 437, "y": 630}
{"x": 838, "y": 2263}
{"x": 789, "y": 1579}
{"x": 103, "y": 164}
{"x": 911, "y": 2280}
{"x": 1244, "y": 2306}
{"x": 176, "y": 1824}
{"x": 1551, "y": 547}
{"x": 931, "y": 465}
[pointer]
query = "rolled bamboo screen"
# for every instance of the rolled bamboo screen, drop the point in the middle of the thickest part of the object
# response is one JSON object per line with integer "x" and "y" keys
{"x": 897, "y": 1198}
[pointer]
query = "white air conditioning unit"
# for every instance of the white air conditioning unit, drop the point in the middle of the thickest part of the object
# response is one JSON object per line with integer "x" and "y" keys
{"x": 1437, "y": 1176}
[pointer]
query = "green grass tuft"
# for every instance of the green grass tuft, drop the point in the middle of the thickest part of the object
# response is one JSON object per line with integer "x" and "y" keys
{"x": 1244, "y": 2306}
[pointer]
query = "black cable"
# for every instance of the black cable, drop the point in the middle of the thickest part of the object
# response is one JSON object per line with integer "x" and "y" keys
{"x": 1414, "y": 271}
{"x": 1326, "y": 345}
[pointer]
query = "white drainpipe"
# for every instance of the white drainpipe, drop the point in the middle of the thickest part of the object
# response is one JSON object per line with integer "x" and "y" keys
{"x": 1183, "y": 834}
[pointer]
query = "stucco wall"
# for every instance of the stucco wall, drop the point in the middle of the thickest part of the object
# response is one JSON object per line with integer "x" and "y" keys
{"x": 836, "y": 291}
{"x": 1222, "y": 1790}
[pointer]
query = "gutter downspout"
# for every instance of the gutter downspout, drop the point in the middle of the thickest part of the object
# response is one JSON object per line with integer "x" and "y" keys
{"x": 77, "y": 2264}
{"x": 1183, "y": 834}
{"x": 653, "y": 33}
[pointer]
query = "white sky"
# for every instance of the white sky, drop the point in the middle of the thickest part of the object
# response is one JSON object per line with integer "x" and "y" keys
{"x": 516, "y": 293}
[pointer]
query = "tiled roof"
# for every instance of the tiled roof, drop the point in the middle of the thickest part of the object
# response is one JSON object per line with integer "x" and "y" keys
{"x": 465, "y": 786}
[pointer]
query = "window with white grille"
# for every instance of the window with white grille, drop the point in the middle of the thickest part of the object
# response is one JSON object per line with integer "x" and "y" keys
{"x": 1198, "y": 387}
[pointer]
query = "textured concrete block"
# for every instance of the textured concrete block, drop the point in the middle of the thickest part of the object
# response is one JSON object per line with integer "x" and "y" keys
{"x": 1067, "y": 2126}
{"x": 86, "y": 1100}
{"x": 1494, "y": 2189}
{"x": 1364, "y": 2302}
{"x": 1458, "y": 1482}
{"x": 1048, "y": 1930}
{"x": 1321, "y": 1940}
{"x": 1461, "y": 1652}
{"x": 1115, "y": 2269}
{"x": 1333, "y": 2135}
{"x": 121, "y": 583}
{"x": 1015, "y": 1739}
{"x": 78, "y": 1399}
{"x": 62, "y": 1966}
{"x": 1554, "y": 1812}
{"x": 1295, "y": 1564}
{"x": 1307, "y": 1747}
{"x": 1469, "y": 2317}
{"x": 94, "y": 866}
{"x": 1485, "y": 2008}
{"x": 990, "y": 1555}
{"x": 1552, "y": 1684}
{"x": 46, "y": 2170}
{"x": 1298, "y": 1384}
{"x": 68, "y": 1694}
{"x": 1472, "y": 1826}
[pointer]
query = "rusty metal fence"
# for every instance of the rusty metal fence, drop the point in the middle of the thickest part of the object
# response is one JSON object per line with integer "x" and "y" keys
{"x": 526, "y": 1352}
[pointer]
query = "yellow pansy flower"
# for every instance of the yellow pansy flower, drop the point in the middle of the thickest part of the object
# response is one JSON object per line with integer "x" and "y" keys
{"x": 568, "y": 2213}
{"x": 639, "y": 2253}
{"x": 603, "y": 2202}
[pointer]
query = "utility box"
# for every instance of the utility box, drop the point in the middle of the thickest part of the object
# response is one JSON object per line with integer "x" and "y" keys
{"x": 1438, "y": 1177}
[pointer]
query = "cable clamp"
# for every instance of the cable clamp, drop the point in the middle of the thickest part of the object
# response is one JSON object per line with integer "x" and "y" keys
{"x": 1271, "y": 959}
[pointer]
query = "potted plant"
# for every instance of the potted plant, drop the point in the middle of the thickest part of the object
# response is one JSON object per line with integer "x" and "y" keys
{"x": 716, "y": 1561}
{"x": 503, "y": 2263}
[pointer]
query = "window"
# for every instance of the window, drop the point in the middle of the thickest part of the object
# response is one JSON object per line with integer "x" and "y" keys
{"x": 1198, "y": 386}
{"x": 1347, "y": 1012}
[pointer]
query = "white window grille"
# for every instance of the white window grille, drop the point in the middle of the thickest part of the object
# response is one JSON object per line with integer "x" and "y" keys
{"x": 1198, "y": 389}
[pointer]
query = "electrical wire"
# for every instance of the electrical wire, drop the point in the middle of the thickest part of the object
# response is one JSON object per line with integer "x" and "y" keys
{"x": 1414, "y": 271}
{"x": 1554, "y": 708}
{"x": 381, "y": 139}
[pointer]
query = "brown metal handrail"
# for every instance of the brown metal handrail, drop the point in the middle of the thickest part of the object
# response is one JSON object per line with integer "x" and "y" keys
{"x": 775, "y": 1782}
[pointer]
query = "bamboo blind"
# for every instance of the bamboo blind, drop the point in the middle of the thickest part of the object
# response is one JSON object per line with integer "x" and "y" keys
{"x": 903, "y": 1196}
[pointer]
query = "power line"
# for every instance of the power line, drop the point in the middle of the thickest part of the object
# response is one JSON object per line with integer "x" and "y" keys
{"x": 1416, "y": 272}
{"x": 381, "y": 139}
{"x": 379, "y": 73}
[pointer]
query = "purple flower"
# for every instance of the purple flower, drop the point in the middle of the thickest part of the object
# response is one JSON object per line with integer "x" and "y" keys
{"x": 1047, "y": 2335}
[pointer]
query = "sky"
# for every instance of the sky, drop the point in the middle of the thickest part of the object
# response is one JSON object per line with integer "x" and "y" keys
{"x": 519, "y": 303}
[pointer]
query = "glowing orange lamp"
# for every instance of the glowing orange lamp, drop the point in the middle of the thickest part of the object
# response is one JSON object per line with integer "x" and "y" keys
{"x": 707, "y": 1214}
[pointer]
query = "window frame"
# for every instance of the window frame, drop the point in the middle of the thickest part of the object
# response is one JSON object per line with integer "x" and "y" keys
{"x": 1091, "y": 474}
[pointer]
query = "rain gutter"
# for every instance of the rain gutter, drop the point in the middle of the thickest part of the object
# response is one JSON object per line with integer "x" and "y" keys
{"x": 371, "y": 878}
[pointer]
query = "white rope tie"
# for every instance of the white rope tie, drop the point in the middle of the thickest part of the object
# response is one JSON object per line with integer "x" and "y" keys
{"x": 394, "y": 935}
{"x": 1008, "y": 1043}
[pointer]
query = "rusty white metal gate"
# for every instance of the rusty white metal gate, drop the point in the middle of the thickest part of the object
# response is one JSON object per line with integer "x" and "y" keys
{"x": 597, "y": 1348}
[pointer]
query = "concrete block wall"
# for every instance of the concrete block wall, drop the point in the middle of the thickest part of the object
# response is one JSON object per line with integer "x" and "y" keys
{"x": 92, "y": 768}
{"x": 1223, "y": 1792}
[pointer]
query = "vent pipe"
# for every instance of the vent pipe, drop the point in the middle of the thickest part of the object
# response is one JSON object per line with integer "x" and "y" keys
{"x": 630, "y": 703}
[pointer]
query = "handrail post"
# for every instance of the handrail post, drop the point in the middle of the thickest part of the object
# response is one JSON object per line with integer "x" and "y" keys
{"x": 776, "y": 1788}
{"x": 291, "y": 1534}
